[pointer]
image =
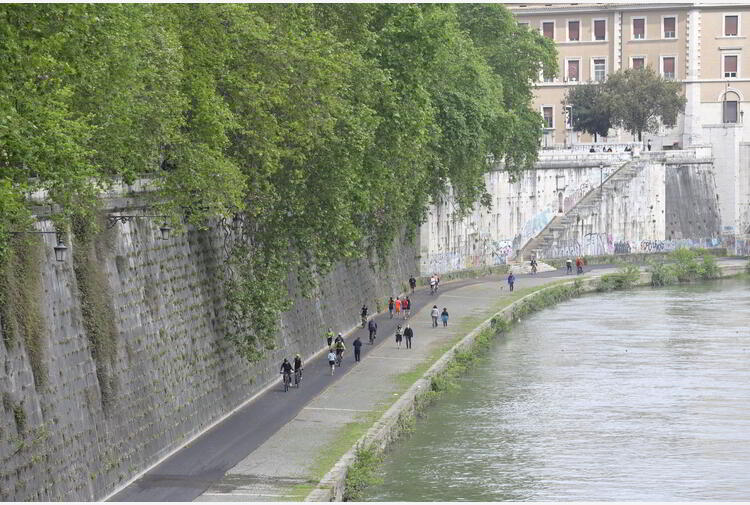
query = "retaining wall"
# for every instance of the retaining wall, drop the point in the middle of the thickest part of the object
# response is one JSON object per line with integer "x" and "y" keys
{"x": 129, "y": 358}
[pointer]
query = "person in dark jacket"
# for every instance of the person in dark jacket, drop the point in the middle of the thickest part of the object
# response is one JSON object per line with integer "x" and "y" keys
{"x": 511, "y": 280}
{"x": 357, "y": 344}
{"x": 373, "y": 327}
{"x": 408, "y": 334}
{"x": 412, "y": 283}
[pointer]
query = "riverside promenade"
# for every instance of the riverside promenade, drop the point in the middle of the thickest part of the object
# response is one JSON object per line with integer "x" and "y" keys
{"x": 289, "y": 465}
{"x": 245, "y": 458}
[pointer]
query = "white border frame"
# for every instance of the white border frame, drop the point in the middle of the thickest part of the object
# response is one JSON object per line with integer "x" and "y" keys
{"x": 720, "y": 98}
{"x": 739, "y": 105}
{"x": 541, "y": 111}
{"x": 676, "y": 27}
{"x": 724, "y": 25}
{"x": 739, "y": 59}
{"x": 632, "y": 27}
{"x": 580, "y": 69}
{"x": 567, "y": 30}
{"x": 554, "y": 28}
{"x": 661, "y": 66}
{"x": 606, "y": 29}
{"x": 643, "y": 57}
{"x": 606, "y": 67}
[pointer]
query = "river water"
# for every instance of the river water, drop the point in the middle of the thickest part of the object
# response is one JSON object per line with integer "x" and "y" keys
{"x": 642, "y": 395}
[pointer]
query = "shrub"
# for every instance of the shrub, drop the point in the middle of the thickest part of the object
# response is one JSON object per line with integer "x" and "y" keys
{"x": 710, "y": 269}
{"x": 361, "y": 474}
{"x": 662, "y": 274}
{"x": 686, "y": 265}
{"x": 625, "y": 278}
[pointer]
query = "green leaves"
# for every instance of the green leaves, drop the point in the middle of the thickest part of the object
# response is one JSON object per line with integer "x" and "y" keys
{"x": 326, "y": 127}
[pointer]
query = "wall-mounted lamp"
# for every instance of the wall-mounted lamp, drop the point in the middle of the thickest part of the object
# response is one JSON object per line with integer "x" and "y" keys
{"x": 112, "y": 220}
{"x": 60, "y": 248}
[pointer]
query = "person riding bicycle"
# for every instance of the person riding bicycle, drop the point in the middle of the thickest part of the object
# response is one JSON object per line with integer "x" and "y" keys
{"x": 339, "y": 347}
{"x": 373, "y": 327}
{"x": 286, "y": 369}
{"x": 339, "y": 338}
{"x": 533, "y": 265}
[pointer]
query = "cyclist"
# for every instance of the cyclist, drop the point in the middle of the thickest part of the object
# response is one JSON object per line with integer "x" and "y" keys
{"x": 373, "y": 327}
{"x": 329, "y": 337}
{"x": 533, "y": 265}
{"x": 339, "y": 347}
{"x": 297, "y": 370}
{"x": 339, "y": 338}
{"x": 286, "y": 369}
{"x": 332, "y": 359}
{"x": 433, "y": 282}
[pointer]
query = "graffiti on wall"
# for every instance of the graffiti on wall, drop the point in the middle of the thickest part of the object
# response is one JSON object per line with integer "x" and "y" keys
{"x": 537, "y": 223}
{"x": 597, "y": 244}
{"x": 500, "y": 250}
{"x": 575, "y": 196}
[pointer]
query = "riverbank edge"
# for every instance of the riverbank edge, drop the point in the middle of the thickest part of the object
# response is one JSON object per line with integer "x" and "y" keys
{"x": 399, "y": 418}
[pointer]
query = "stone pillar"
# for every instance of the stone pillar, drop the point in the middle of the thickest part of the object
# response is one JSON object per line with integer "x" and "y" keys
{"x": 692, "y": 131}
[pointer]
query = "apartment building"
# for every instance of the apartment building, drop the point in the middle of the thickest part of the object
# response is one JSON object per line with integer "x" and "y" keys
{"x": 702, "y": 45}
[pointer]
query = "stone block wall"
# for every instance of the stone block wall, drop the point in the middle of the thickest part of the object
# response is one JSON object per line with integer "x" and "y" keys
{"x": 129, "y": 360}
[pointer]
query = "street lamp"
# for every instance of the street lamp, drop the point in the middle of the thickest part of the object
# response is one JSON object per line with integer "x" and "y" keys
{"x": 112, "y": 220}
{"x": 601, "y": 177}
{"x": 60, "y": 248}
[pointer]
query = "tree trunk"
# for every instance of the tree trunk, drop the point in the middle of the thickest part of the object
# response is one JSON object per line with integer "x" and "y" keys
{"x": 595, "y": 138}
{"x": 639, "y": 136}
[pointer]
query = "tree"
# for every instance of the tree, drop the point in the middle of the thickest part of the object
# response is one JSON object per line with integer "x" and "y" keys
{"x": 590, "y": 109}
{"x": 640, "y": 100}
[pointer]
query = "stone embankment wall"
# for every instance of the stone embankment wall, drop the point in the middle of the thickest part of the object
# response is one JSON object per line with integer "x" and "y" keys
{"x": 116, "y": 356}
{"x": 670, "y": 202}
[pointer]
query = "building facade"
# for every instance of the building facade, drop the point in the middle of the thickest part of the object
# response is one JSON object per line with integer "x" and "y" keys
{"x": 704, "y": 46}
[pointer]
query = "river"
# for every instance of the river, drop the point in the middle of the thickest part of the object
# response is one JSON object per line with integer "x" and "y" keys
{"x": 640, "y": 396}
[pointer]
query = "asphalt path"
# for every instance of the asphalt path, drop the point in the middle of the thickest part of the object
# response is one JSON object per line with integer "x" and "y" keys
{"x": 187, "y": 473}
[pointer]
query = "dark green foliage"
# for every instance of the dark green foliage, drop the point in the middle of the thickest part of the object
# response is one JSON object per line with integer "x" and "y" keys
{"x": 625, "y": 278}
{"x": 361, "y": 474}
{"x": 590, "y": 109}
{"x": 325, "y": 128}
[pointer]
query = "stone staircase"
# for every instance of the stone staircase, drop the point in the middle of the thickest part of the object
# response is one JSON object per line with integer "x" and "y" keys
{"x": 592, "y": 199}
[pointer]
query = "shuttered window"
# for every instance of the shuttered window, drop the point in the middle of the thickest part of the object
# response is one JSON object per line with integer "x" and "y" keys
{"x": 600, "y": 29}
{"x": 668, "y": 68}
{"x": 548, "y": 30}
{"x": 730, "y": 26}
{"x": 574, "y": 31}
{"x": 639, "y": 28}
{"x": 730, "y": 66}
{"x": 670, "y": 30}
{"x": 573, "y": 70}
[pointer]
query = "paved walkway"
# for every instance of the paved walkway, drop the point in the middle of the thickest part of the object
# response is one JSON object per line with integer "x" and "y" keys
{"x": 291, "y": 462}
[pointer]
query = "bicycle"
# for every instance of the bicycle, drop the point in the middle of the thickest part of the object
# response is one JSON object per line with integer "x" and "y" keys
{"x": 372, "y": 337}
{"x": 298, "y": 377}
{"x": 364, "y": 321}
{"x": 339, "y": 357}
{"x": 287, "y": 380}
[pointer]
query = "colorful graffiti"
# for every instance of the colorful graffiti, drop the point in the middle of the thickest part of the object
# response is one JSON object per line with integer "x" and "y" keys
{"x": 597, "y": 244}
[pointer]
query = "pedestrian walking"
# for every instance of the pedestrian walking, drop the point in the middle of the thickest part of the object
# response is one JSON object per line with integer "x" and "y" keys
{"x": 397, "y": 306}
{"x": 407, "y": 307}
{"x": 434, "y": 313}
{"x": 579, "y": 265}
{"x": 398, "y": 336}
{"x": 412, "y": 283}
{"x": 433, "y": 280}
{"x": 511, "y": 281}
{"x": 408, "y": 335}
{"x": 390, "y": 307}
{"x": 568, "y": 266}
{"x": 329, "y": 337}
{"x": 648, "y": 144}
{"x": 357, "y": 344}
{"x": 331, "y": 359}
{"x": 444, "y": 317}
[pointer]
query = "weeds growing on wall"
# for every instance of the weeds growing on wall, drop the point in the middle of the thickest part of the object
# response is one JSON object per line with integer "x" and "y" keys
{"x": 361, "y": 474}
{"x": 21, "y": 317}
{"x": 97, "y": 307}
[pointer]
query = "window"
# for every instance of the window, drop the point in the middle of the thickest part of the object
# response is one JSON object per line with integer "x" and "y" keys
{"x": 731, "y": 25}
{"x": 667, "y": 66}
{"x": 730, "y": 65}
{"x": 730, "y": 109}
{"x": 569, "y": 117}
{"x": 548, "y": 115}
{"x": 574, "y": 31}
{"x": 525, "y": 24}
{"x": 548, "y": 29}
{"x": 600, "y": 69}
{"x": 670, "y": 28}
{"x": 600, "y": 29}
{"x": 637, "y": 62}
{"x": 573, "y": 70}
{"x": 639, "y": 28}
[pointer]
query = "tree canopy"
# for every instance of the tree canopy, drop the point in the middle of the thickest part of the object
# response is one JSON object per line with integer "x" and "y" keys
{"x": 638, "y": 100}
{"x": 323, "y": 128}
